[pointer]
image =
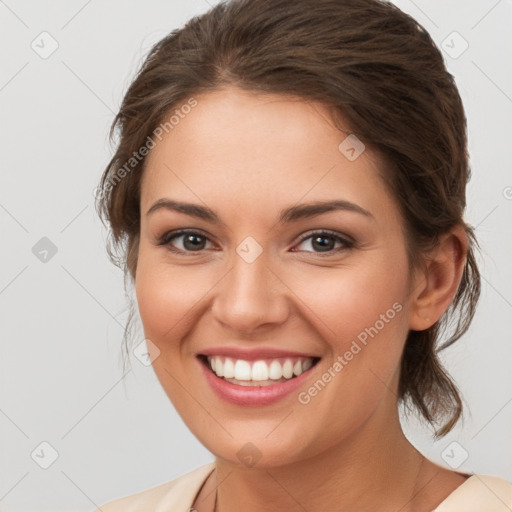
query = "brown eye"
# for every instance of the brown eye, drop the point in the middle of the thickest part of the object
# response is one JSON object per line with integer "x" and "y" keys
{"x": 324, "y": 242}
{"x": 184, "y": 241}
{"x": 193, "y": 242}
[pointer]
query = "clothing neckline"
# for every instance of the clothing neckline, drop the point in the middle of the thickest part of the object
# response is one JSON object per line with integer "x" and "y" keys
{"x": 453, "y": 495}
{"x": 458, "y": 490}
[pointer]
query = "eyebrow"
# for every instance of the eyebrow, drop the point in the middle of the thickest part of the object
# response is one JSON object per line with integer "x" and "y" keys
{"x": 291, "y": 214}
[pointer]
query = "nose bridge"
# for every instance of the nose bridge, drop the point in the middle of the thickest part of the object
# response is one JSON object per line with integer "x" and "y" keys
{"x": 250, "y": 295}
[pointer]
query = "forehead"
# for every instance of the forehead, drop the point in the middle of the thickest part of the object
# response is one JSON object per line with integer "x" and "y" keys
{"x": 249, "y": 148}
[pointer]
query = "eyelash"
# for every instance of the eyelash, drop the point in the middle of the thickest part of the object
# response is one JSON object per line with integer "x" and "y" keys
{"x": 167, "y": 238}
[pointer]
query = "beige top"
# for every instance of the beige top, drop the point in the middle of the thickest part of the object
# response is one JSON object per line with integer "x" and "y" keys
{"x": 479, "y": 493}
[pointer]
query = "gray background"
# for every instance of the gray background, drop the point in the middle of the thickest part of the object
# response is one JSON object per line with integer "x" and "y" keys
{"x": 62, "y": 319}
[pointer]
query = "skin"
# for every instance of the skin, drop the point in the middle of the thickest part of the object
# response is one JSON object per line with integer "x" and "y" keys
{"x": 247, "y": 156}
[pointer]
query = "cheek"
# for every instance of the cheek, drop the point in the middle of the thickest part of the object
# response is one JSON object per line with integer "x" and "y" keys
{"x": 352, "y": 303}
{"x": 361, "y": 314}
{"x": 167, "y": 296}
{"x": 169, "y": 299}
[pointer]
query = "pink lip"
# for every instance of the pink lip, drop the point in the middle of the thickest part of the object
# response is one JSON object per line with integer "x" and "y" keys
{"x": 252, "y": 395}
{"x": 253, "y": 354}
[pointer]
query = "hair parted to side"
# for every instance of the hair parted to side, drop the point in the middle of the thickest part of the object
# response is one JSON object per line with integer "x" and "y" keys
{"x": 381, "y": 72}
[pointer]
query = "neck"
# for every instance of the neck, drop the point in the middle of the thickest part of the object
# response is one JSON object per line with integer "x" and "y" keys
{"x": 376, "y": 468}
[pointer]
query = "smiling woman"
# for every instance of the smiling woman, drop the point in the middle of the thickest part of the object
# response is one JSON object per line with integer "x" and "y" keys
{"x": 298, "y": 251}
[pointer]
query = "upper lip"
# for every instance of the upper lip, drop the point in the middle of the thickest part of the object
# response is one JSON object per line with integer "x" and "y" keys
{"x": 253, "y": 354}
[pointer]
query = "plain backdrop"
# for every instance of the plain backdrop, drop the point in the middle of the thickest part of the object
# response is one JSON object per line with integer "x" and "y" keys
{"x": 65, "y": 67}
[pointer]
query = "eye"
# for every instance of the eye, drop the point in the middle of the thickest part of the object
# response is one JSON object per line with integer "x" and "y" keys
{"x": 192, "y": 241}
{"x": 324, "y": 242}
{"x": 184, "y": 241}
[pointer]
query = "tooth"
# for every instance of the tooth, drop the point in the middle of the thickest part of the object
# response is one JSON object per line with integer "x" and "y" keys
{"x": 242, "y": 370}
{"x": 288, "y": 369}
{"x": 219, "y": 367}
{"x": 239, "y": 369}
{"x": 229, "y": 368}
{"x": 259, "y": 370}
{"x": 275, "y": 370}
{"x": 307, "y": 364}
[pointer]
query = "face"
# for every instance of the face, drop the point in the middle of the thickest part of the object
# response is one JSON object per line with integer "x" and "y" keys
{"x": 265, "y": 243}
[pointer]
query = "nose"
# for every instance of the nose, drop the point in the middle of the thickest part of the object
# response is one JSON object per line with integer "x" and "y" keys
{"x": 250, "y": 298}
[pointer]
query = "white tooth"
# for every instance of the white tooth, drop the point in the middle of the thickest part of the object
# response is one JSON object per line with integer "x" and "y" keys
{"x": 259, "y": 370}
{"x": 242, "y": 370}
{"x": 307, "y": 364}
{"x": 275, "y": 370}
{"x": 229, "y": 368}
{"x": 288, "y": 369}
{"x": 219, "y": 367}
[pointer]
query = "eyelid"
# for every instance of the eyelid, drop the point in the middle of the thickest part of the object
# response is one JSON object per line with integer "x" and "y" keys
{"x": 345, "y": 238}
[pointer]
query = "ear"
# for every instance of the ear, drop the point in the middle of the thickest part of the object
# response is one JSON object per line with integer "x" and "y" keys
{"x": 437, "y": 283}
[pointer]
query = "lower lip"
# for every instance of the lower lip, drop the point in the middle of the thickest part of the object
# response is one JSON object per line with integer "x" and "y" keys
{"x": 253, "y": 395}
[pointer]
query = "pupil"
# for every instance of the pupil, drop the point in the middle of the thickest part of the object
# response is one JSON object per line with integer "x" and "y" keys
{"x": 323, "y": 243}
{"x": 195, "y": 241}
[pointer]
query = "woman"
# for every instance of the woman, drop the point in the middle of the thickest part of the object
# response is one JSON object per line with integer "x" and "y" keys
{"x": 288, "y": 195}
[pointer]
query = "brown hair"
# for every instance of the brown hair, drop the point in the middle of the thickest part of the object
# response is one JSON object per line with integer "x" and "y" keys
{"x": 367, "y": 61}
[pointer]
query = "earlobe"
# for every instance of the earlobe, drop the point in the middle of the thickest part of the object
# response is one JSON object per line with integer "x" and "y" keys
{"x": 439, "y": 280}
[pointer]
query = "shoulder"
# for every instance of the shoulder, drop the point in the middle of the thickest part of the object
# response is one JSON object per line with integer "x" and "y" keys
{"x": 479, "y": 493}
{"x": 180, "y": 491}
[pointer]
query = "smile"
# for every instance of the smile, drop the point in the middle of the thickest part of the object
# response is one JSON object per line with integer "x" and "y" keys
{"x": 258, "y": 382}
{"x": 263, "y": 372}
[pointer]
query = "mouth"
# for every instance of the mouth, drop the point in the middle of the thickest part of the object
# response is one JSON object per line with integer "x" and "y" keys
{"x": 257, "y": 373}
